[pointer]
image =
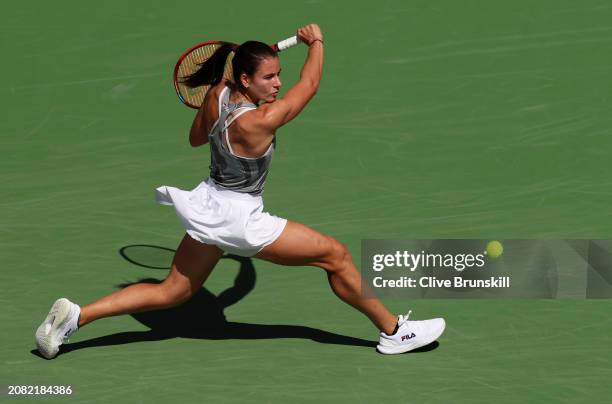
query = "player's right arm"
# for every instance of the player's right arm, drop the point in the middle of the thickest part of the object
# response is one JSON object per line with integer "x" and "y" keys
{"x": 284, "y": 110}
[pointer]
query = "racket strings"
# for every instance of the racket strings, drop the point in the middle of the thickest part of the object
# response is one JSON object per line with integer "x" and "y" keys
{"x": 190, "y": 64}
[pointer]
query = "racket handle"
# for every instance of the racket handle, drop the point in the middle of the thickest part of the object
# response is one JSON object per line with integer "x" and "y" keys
{"x": 287, "y": 43}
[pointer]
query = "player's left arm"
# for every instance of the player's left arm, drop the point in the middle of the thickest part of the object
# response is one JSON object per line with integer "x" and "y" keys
{"x": 198, "y": 135}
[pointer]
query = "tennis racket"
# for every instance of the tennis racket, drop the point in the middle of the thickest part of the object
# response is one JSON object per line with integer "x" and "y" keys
{"x": 191, "y": 60}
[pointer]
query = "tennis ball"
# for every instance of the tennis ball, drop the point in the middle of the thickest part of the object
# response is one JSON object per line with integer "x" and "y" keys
{"x": 494, "y": 249}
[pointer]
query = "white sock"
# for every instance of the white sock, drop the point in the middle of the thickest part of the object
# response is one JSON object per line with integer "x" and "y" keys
{"x": 73, "y": 323}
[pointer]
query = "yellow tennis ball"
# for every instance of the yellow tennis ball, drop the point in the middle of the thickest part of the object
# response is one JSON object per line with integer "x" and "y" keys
{"x": 494, "y": 249}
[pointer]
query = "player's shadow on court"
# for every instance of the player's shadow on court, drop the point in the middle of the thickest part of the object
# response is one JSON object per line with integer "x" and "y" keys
{"x": 202, "y": 317}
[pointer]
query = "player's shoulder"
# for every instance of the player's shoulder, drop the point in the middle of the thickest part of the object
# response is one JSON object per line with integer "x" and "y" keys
{"x": 261, "y": 119}
{"x": 217, "y": 88}
{"x": 263, "y": 110}
{"x": 268, "y": 107}
{"x": 215, "y": 91}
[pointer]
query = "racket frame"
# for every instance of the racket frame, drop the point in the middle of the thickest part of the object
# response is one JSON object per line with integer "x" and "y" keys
{"x": 183, "y": 56}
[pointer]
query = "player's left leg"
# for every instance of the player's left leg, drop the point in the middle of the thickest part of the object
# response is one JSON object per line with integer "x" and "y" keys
{"x": 192, "y": 264}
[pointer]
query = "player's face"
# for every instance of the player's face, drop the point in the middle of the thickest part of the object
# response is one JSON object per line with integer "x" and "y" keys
{"x": 265, "y": 83}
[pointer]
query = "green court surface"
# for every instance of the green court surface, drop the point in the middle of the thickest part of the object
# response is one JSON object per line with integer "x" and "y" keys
{"x": 434, "y": 119}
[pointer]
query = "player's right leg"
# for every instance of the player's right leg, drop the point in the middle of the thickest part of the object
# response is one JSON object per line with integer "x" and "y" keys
{"x": 300, "y": 245}
{"x": 192, "y": 264}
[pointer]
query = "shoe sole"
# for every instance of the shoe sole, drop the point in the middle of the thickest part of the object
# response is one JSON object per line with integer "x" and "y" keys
{"x": 48, "y": 342}
{"x": 398, "y": 349}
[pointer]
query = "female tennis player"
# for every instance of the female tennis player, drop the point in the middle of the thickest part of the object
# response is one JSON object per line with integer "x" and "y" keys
{"x": 225, "y": 213}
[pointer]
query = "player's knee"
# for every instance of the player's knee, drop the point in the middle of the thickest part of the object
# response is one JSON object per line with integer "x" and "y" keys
{"x": 339, "y": 256}
{"x": 174, "y": 295}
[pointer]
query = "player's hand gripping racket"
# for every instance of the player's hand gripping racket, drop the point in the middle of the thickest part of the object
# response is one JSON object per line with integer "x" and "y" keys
{"x": 193, "y": 58}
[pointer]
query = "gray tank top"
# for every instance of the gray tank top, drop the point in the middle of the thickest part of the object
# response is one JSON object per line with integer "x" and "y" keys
{"x": 227, "y": 170}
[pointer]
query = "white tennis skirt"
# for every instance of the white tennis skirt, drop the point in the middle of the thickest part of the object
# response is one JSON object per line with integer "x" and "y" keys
{"x": 233, "y": 221}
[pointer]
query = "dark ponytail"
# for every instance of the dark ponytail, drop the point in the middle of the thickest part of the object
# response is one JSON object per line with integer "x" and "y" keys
{"x": 211, "y": 71}
{"x": 247, "y": 58}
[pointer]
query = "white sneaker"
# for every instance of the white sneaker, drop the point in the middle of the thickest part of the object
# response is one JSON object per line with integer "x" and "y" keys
{"x": 410, "y": 335}
{"x": 61, "y": 322}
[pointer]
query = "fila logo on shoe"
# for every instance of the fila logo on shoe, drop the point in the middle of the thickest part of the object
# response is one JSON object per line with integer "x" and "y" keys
{"x": 405, "y": 337}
